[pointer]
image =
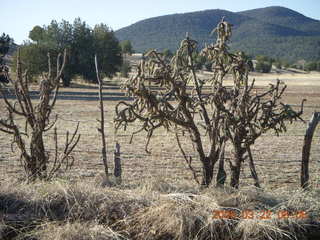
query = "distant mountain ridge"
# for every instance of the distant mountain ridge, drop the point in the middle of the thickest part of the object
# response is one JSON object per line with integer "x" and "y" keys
{"x": 273, "y": 31}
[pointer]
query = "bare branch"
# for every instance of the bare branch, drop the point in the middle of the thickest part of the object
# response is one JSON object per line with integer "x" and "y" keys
{"x": 188, "y": 161}
{"x": 52, "y": 124}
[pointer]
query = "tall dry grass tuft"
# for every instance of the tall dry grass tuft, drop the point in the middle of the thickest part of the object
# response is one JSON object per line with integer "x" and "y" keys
{"x": 153, "y": 210}
{"x": 23, "y": 207}
{"x": 162, "y": 185}
{"x": 168, "y": 219}
{"x": 76, "y": 231}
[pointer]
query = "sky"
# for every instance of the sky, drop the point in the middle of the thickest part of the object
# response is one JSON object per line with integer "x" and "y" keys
{"x": 20, "y": 16}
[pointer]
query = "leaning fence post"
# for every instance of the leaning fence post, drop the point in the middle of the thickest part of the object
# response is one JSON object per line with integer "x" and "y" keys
{"x": 101, "y": 121}
{"x": 306, "y": 149}
{"x": 117, "y": 164}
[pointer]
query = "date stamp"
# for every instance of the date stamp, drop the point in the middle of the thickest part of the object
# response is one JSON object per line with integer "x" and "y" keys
{"x": 260, "y": 214}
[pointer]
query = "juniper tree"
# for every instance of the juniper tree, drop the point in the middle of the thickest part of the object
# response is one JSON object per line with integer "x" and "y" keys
{"x": 82, "y": 43}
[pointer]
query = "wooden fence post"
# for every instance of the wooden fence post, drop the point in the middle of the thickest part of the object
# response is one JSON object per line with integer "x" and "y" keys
{"x": 306, "y": 149}
{"x": 101, "y": 121}
{"x": 117, "y": 164}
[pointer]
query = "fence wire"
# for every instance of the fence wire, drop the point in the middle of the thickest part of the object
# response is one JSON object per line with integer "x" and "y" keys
{"x": 277, "y": 159}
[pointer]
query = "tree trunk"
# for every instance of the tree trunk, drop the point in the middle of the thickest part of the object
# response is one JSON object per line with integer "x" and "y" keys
{"x": 235, "y": 166}
{"x": 221, "y": 175}
{"x": 66, "y": 80}
{"x": 253, "y": 168}
{"x": 207, "y": 162}
{"x": 37, "y": 166}
{"x": 207, "y": 171}
{"x": 235, "y": 173}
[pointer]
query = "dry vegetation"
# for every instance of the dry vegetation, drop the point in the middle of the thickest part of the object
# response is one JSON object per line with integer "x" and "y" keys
{"x": 153, "y": 210}
{"x": 151, "y": 203}
{"x": 273, "y": 154}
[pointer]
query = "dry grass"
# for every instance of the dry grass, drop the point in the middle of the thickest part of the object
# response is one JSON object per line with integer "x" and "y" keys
{"x": 60, "y": 210}
{"x": 272, "y": 155}
{"x": 76, "y": 231}
{"x": 291, "y": 78}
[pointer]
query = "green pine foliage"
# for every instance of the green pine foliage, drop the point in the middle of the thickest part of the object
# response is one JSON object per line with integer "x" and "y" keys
{"x": 125, "y": 69}
{"x": 126, "y": 47}
{"x": 82, "y": 43}
{"x": 264, "y": 64}
{"x": 313, "y": 66}
{"x": 5, "y": 42}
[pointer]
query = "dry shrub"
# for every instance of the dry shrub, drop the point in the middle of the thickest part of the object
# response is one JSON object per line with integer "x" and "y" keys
{"x": 57, "y": 201}
{"x": 77, "y": 231}
{"x": 307, "y": 201}
{"x": 255, "y": 198}
{"x": 190, "y": 216}
{"x": 273, "y": 229}
{"x": 178, "y": 216}
{"x": 157, "y": 210}
{"x": 164, "y": 221}
{"x": 161, "y": 185}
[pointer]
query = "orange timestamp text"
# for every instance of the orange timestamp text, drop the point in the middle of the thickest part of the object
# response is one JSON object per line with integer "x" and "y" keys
{"x": 261, "y": 214}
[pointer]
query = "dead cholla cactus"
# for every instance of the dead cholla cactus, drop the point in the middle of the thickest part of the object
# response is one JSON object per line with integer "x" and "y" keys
{"x": 35, "y": 158}
{"x": 224, "y": 32}
{"x": 246, "y": 114}
{"x": 235, "y": 114}
{"x": 174, "y": 106}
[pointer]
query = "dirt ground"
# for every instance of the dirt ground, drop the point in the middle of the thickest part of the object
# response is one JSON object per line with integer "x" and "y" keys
{"x": 277, "y": 158}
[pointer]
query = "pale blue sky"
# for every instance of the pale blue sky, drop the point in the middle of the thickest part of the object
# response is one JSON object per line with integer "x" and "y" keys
{"x": 19, "y": 16}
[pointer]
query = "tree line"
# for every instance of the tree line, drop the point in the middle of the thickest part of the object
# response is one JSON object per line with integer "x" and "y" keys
{"x": 82, "y": 43}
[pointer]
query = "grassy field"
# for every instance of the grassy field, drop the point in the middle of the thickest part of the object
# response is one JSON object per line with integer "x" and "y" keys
{"x": 158, "y": 198}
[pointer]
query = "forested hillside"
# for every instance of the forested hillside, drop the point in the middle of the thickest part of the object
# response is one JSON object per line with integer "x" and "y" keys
{"x": 277, "y": 32}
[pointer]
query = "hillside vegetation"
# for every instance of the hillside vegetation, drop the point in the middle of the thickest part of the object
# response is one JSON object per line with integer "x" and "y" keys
{"x": 277, "y": 32}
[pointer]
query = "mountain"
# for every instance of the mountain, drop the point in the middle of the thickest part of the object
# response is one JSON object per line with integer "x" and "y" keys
{"x": 285, "y": 17}
{"x": 273, "y": 31}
